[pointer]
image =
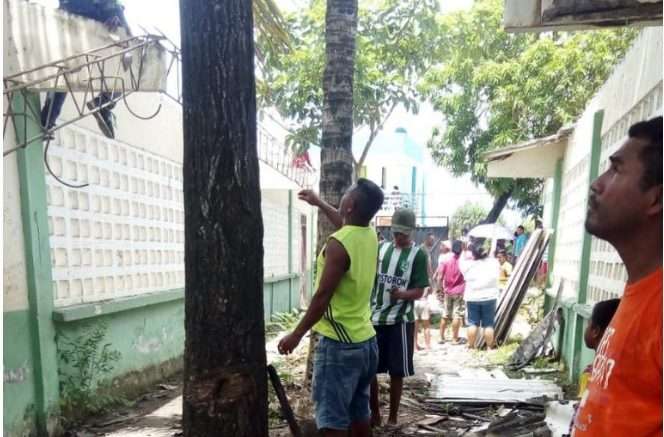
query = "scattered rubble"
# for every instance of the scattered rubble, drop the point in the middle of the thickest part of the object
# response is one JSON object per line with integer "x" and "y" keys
{"x": 455, "y": 392}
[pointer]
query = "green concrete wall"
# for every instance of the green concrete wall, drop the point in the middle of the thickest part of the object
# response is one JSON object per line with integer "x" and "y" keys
{"x": 146, "y": 336}
{"x": 18, "y": 392}
{"x": 281, "y": 296}
{"x": 30, "y": 377}
{"x": 150, "y": 338}
{"x": 567, "y": 339}
{"x": 150, "y": 335}
{"x": 585, "y": 356}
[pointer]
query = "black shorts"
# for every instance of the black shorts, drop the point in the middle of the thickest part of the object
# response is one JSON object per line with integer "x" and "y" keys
{"x": 395, "y": 348}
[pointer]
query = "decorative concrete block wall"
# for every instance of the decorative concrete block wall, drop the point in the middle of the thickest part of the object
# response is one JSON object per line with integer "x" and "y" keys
{"x": 275, "y": 231}
{"x": 123, "y": 234}
{"x": 632, "y": 93}
{"x": 607, "y": 275}
{"x": 570, "y": 224}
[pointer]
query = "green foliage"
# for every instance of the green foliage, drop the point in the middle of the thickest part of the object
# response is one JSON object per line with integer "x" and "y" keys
{"x": 269, "y": 22}
{"x": 287, "y": 321}
{"x": 495, "y": 88}
{"x": 87, "y": 362}
{"x": 283, "y": 322}
{"x": 501, "y": 355}
{"x": 393, "y": 51}
{"x": 466, "y": 216}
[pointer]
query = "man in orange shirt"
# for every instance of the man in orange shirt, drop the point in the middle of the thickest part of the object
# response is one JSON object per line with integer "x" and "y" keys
{"x": 624, "y": 396}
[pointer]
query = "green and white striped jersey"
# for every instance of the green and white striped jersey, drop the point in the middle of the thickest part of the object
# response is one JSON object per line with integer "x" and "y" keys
{"x": 402, "y": 268}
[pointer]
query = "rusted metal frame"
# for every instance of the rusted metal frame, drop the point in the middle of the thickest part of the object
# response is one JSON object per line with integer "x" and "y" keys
{"x": 144, "y": 53}
{"x": 9, "y": 112}
{"x": 74, "y": 69}
{"x": 21, "y": 113}
{"x": 88, "y": 52}
{"x": 74, "y": 120}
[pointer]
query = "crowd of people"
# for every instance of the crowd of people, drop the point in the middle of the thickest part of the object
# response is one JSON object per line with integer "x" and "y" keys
{"x": 370, "y": 294}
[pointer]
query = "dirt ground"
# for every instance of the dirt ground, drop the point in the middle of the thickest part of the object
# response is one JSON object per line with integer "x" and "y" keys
{"x": 159, "y": 412}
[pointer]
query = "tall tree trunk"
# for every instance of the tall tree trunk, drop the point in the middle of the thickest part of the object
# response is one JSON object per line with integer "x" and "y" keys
{"x": 499, "y": 204}
{"x": 225, "y": 380}
{"x": 336, "y": 173}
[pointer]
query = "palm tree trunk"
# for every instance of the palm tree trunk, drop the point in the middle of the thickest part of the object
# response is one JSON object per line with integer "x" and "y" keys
{"x": 225, "y": 380}
{"x": 336, "y": 173}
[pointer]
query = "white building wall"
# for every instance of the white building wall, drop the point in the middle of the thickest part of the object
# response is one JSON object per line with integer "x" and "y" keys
{"x": 275, "y": 228}
{"x": 276, "y": 241}
{"x": 632, "y": 93}
{"x": 14, "y": 279}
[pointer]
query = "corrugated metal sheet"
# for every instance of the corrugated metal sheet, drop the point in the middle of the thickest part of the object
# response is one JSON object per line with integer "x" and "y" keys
{"x": 491, "y": 390}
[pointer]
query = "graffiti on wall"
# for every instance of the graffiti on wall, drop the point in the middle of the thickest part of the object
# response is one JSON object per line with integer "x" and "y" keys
{"x": 16, "y": 375}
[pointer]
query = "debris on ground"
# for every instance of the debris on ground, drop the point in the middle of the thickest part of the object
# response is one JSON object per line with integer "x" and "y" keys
{"x": 558, "y": 416}
{"x": 537, "y": 344}
{"x": 455, "y": 392}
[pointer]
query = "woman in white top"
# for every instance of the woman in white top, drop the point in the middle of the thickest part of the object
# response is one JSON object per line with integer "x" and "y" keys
{"x": 481, "y": 275}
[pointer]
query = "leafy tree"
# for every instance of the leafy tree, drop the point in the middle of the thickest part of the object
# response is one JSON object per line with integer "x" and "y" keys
{"x": 269, "y": 23}
{"x": 495, "y": 89}
{"x": 394, "y": 50}
{"x": 466, "y": 217}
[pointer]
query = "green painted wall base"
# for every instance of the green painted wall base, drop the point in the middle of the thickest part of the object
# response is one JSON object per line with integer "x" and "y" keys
{"x": 18, "y": 392}
{"x": 145, "y": 336}
{"x": 566, "y": 338}
{"x": 148, "y": 331}
{"x": 281, "y": 295}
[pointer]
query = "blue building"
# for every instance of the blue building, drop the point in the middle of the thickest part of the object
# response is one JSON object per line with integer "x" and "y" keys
{"x": 396, "y": 163}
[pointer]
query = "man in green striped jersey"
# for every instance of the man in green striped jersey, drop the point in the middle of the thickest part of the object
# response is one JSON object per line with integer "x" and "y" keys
{"x": 401, "y": 278}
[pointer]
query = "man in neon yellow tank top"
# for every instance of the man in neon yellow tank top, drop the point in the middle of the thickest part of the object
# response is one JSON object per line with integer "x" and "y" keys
{"x": 347, "y": 355}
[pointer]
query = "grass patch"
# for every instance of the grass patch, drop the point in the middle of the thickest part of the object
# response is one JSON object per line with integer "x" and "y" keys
{"x": 501, "y": 355}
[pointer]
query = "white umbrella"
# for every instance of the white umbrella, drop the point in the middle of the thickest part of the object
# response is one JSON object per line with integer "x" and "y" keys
{"x": 491, "y": 231}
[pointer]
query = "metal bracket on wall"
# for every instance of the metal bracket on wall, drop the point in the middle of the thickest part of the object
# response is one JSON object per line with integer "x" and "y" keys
{"x": 105, "y": 69}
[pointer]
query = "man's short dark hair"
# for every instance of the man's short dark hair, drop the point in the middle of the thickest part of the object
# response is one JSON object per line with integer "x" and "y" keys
{"x": 603, "y": 313}
{"x": 651, "y": 155}
{"x": 457, "y": 247}
{"x": 521, "y": 227}
{"x": 369, "y": 199}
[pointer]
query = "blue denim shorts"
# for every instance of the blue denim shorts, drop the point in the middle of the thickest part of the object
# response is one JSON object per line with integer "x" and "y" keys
{"x": 342, "y": 376}
{"x": 482, "y": 313}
